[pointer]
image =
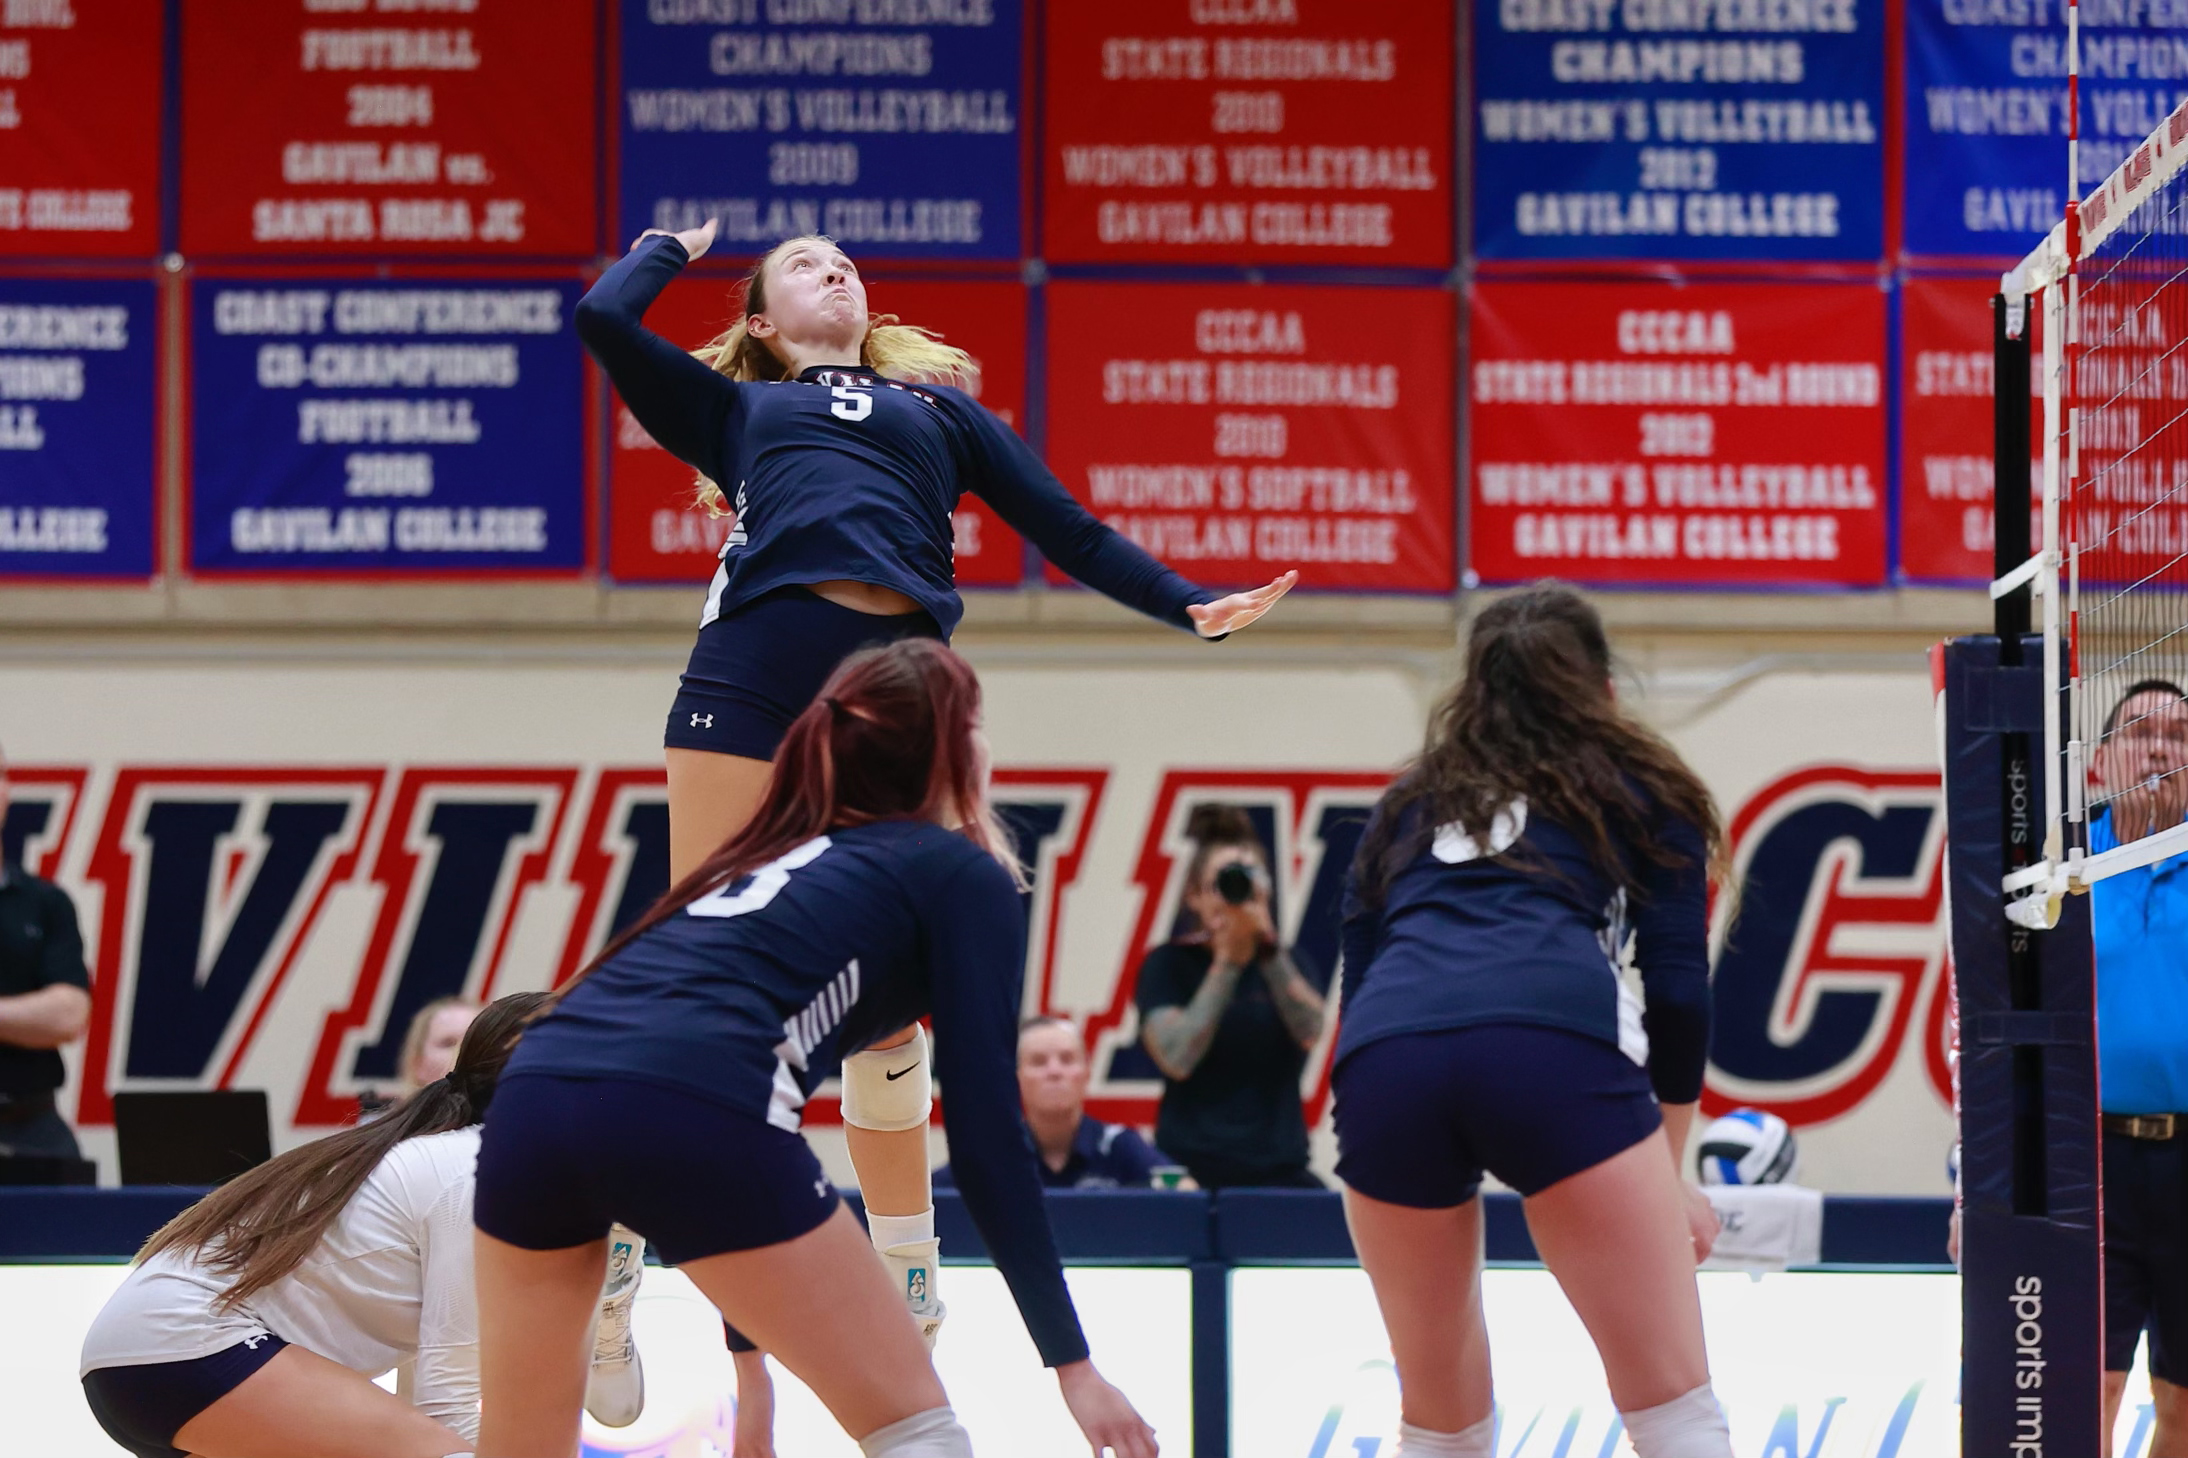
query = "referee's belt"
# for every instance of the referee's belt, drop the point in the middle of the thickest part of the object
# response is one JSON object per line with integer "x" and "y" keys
{"x": 2143, "y": 1126}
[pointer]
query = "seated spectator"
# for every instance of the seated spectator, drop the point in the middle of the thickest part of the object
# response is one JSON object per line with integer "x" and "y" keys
{"x": 429, "y": 1052}
{"x": 429, "y": 1048}
{"x": 45, "y": 1004}
{"x": 1228, "y": 1018}
{"x": 1077, "y": 1153}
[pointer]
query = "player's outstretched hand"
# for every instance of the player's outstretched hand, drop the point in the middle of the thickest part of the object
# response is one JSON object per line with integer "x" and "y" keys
{"x": 1229, "y": 614}
{"x": 1702, "y": 1222}
{"x": 1104, "y": 1414}
{"x": 695, "y": 240}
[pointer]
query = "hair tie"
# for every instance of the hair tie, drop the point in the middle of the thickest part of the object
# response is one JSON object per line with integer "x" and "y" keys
{"x": 835, "y": 707}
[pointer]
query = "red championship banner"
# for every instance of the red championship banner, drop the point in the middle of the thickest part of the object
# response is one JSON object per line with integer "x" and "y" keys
{"x": 390, "y": 127}
{"x": 80, "y": 104}
{"x": 1237, "y": 430}
{"x": 1250, "y": 131}
{"x": 1726, "y": 435}
{"x": 1946, "y": 389}
{"x": 655, "y": 534}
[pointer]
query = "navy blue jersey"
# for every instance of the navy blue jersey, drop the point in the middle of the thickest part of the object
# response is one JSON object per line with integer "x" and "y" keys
{"x": 841, "y": 474}
{"x": 752, "y": 995}
{"x": 1528, "y": 930}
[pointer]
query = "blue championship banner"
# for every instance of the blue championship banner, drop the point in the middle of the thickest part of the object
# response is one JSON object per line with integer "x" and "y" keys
{"x": 892, "y": 126}
{"x": 1679, "y": 129}
{"x": 1987, "y": 112}
{"x": 78, "y": 409}
{"x": 366, "y": 426}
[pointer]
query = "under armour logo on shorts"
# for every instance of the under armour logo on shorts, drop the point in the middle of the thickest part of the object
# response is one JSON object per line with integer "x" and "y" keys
{"x": 702, "y": 721}
{"x": 253, "y": 1341}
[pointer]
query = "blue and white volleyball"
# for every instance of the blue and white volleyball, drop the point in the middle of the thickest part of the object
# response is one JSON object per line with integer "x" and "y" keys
{"x": 1749, "y": 1147}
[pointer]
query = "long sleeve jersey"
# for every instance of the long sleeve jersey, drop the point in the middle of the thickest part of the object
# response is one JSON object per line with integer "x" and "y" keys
{"x": 390, "y": 1281}
{"x": 1527, "y": 929}
{"x": 844, "y": 474}
{"x": 752, "y": 995}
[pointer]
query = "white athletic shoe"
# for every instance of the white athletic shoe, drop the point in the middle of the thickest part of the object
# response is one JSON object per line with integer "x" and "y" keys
{"x": 916, "y": 1267}
{"x": 615, "y": 1389}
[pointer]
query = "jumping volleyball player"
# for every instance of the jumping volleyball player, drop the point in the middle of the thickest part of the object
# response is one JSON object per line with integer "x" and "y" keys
{"x": 256, "y": 1320}
{"x": 839, "y": 442}
{"x": 872, "y": 887}
{"x": 1486, "y": 1028}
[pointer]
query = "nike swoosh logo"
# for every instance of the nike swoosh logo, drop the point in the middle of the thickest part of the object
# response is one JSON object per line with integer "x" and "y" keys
{"x": 893, "y": 1077}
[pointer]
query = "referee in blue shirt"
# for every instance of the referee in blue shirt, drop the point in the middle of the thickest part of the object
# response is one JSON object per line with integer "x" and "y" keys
{"x": 2141, "y": 922}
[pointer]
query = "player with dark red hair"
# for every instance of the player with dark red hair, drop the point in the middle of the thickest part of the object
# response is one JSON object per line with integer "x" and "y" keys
{"x": 873, "y": 887}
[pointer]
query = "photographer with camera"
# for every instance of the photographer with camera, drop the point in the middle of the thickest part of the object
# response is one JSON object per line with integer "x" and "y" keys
{"x": 1228, "y": 1018}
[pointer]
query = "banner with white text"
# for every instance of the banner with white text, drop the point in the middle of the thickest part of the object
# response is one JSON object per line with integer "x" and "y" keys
{"x": 1727, "y": 435}
{"x": 1249, "y": 131}
{"x": 1650, "y": 129}
{"x": 78, "y": 415}
{"x": 461, "y": 127}
{"x": 82, "y": 94}
{"x": 1238, "y": 430}
{"x": 894, "y": 128}
{"x": 423, "y": 424}
{"x": 1987, "y": 117}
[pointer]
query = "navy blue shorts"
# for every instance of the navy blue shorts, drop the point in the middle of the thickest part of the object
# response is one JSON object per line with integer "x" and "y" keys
{"x": 142, "y": 1408}
{"x": 561, "y": 1159}
{"x": 757, "y": 667}
{"x": 2146, "y": 1253}
{"x": 1420, "y": 1116}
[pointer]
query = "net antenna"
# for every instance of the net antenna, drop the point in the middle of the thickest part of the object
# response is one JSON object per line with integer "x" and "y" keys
{"x": 2107, "y": 292}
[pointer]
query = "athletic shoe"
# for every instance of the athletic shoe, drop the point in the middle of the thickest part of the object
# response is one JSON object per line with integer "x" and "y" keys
{"x": 615, "y": 1388}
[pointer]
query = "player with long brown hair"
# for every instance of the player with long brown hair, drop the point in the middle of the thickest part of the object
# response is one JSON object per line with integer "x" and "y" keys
{"x": 1487, "y": 1026}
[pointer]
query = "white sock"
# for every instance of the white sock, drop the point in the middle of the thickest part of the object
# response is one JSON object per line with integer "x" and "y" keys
{"x": 1477, "y": 1441}
{"x": 930, "y": 1434}
{"x": 1692, "y": 1426}
{"x": 892, "y": 1230}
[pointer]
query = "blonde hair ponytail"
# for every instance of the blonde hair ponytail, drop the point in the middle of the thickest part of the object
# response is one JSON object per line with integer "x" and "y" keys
{"x": 892, "y": 349}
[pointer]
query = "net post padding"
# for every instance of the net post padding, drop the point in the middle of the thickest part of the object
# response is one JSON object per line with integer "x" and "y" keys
{"x": 2029, "y": 1255}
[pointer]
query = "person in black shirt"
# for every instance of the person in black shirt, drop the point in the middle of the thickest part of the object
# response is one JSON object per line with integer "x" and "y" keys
{"x": 1228, "y": 1018}
{"x": 45, "y": 1002}
{"x": 1077, "y": 1153}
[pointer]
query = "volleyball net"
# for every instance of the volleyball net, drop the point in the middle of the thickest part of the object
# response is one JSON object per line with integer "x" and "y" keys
{"x": 2105, "y": 297}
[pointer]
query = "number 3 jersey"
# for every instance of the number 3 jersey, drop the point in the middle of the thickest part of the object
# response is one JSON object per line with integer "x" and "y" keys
{"x": 843, "y": 474}
{"x": 751, "y": 997}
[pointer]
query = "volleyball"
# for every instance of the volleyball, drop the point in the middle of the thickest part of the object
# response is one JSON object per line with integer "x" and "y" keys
{"x": 1749, "y": 1147}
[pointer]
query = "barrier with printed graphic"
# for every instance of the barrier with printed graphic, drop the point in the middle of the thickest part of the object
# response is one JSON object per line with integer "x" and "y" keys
{"x": 1714, "y": 436}
{"x": 334, "y": 129}
{"x": 424, "y": 424}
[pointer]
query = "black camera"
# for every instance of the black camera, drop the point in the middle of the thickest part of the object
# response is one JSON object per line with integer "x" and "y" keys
{"x": 1236, "y": 883}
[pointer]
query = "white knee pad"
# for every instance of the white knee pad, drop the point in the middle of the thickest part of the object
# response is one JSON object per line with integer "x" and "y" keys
{"x": 889, "y": 1089}
{"x": 1692, "y": 1426}
{"x": 934, "y": 1433}
{"x": 1478, "y": 1441}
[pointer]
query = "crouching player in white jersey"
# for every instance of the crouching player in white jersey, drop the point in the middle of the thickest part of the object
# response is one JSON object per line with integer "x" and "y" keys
{"x": 255, "y": 1321}
{"x": 872, "y": 887}
{"x": 1487, "y": 1028}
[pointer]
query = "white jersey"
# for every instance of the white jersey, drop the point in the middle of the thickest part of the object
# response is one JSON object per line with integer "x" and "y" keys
{"x": 390, "y": 1281}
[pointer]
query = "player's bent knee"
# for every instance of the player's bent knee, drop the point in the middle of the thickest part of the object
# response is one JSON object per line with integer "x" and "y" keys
{"x": 888, "y": 1090}
{"x": 1688, "y": 1426}
{"x": 934, "y": 1433}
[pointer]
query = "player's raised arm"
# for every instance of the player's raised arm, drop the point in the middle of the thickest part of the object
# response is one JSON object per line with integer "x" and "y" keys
{"x": 1004, "y": 472}
{"x": 683, "y": 403}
